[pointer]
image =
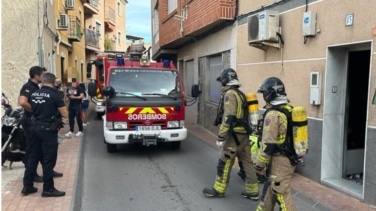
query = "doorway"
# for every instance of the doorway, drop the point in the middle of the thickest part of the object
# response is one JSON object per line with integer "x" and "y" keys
{"x": 345, "y": 117}
{"x": 62, "y": 76}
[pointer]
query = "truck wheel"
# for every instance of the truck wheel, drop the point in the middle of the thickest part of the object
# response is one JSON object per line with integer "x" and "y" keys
{"x": 99, "y": 115}
{"x": 175, "y": 145}
{"x": 111, "y": 148}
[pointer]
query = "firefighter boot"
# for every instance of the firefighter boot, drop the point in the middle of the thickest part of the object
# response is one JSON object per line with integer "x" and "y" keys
{"x": 212, "y": 193}
{"x": 252, "y": 196}
{"x": 251, "y": 191}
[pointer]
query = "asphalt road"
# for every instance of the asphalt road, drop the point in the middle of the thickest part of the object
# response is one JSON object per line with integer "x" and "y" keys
{"x": 156, "y": 178}
{"x": 153, "y": 178}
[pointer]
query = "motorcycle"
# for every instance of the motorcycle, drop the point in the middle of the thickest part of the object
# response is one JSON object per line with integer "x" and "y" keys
{"x": 13, "y": 137}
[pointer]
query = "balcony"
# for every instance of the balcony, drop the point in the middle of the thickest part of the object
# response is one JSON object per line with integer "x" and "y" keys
{"x": 109, "y": 16}
{"x": 91, "y": 7}
{"x": 186, "y": 23}
{"x": 75, "y": 30}
{"x": 92, "y": 40}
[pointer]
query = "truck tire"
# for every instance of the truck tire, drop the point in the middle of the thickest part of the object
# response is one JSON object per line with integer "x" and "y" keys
{"x": 175, "y": 145}
{"x": 111, "y": 148}
{"x": 99, "y": 115}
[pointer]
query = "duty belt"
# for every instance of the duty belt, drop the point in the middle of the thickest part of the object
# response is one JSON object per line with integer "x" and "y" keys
{"x": 39, "y": 123}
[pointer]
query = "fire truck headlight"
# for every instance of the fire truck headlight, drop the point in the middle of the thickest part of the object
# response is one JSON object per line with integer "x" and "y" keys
{"x": 173, "y": 124}
{"x": 110, "y": 125}
{"x": 120, "y": 125}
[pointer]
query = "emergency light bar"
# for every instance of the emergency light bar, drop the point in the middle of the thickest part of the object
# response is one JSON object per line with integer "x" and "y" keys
{"x": 120, "y": 60}
{"x": 166, "y": 63}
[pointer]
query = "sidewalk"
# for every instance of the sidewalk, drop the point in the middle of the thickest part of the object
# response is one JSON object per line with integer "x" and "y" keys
{"x": 11, "y": 198}
{"x": 308, "y": 190}
{"x": 312, "y": 192}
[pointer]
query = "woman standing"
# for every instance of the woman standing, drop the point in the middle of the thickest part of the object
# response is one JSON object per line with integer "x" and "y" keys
{"x": 85, "y": 105}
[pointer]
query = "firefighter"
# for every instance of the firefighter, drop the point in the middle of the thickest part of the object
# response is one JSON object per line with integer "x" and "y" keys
{"x": 273, "y": 153}
{"x": 232, "y": 118}
{"x": 46, "y": 104}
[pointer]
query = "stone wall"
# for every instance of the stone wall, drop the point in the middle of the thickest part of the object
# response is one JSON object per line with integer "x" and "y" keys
{"x": 20, "y": 43}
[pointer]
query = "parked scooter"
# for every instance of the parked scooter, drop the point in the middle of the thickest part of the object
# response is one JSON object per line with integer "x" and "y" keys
{"x": 13, "y": 138}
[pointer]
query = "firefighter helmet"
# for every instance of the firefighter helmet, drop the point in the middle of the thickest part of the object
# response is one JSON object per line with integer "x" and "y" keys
{"x": 271, "y": 88}
{"x": 229, "y": 77}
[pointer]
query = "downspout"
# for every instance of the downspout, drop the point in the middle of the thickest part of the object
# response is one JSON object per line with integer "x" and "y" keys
{"x": 58, "y": 42}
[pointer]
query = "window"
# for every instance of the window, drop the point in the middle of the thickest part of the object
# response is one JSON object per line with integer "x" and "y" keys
{"x": 130, "y": 82}
{"x": 215, "y": 67}
{"x": 97, "y": 29}
{"x": 171, "y": 6}
{"x": 118, "y": 38}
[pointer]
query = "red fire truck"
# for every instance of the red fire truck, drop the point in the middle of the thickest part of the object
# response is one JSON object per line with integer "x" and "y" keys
{"x": 144, "y": 102}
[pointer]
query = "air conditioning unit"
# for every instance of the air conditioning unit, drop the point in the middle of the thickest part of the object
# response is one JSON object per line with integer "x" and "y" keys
{"x": 63, "y": 21}
{"x": 69, "y": 4}
{"x": 263, "y": 27}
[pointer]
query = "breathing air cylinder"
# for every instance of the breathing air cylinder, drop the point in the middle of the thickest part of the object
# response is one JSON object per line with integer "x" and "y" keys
{"x": 300, "y": 130}
{"x": 252, "y": 108}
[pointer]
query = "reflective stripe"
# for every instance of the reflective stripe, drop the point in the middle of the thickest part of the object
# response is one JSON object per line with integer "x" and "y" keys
{"x": 221, "y": 184}
{"x": 251, "y": 188}
{"x": 147, "y": 110}
{"x": 282, "y": 202}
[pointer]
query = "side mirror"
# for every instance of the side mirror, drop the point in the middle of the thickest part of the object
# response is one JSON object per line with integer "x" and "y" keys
{"x": 108, "y": 91}
{"x": 91, "y": 89}
{"x": 88, "y": 70}
{"x": 195, "y": 91}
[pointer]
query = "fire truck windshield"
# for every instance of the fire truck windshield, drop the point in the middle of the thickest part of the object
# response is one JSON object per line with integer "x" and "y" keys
{"x": 130, "y": 82}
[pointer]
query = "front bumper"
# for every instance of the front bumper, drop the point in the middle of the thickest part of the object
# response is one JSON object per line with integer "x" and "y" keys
{"x": 144, "y": 137}
{"x": 99, "y": 105}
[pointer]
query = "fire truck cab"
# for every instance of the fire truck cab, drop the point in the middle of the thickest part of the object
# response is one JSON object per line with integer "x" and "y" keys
{"x": 144, "y": 102}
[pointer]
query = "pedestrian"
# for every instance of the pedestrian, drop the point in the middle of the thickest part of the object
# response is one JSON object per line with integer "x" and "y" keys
{"x": 85, "y": 105}
{"x": 27, "y": 89}
{"x": 232, "y": 118}
{"x": 46, "y": 104}
{"x": 75, "y": 95}
{"x": 274, "y": 152}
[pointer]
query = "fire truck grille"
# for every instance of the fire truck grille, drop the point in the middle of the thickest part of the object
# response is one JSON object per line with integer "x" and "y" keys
{"x": 133, "y": 125}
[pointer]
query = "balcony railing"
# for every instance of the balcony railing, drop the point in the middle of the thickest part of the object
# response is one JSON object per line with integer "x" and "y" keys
{"x": 109, "y": 15}
{"x": 91, "y": 7}
{"x": 92, "y": 39}
{"x": 75, "y": 30}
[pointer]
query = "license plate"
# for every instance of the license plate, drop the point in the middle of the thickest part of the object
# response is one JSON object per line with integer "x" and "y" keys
{"x": 148, "y": 128}
{"x": 120, "y": 137}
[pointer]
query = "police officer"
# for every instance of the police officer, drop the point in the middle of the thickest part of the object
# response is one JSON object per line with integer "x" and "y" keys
{"x": 272, "y": 152}
{"x": 46, "y": 104}
{"x": 233, "y": 138}
{"x": 27, "y": 89}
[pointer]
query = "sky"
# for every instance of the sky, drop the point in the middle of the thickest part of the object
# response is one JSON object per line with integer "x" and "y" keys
{"x": 138, "y": 19}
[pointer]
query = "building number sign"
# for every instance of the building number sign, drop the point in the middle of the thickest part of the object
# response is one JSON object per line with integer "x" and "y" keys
{"x": 349, "y": 19}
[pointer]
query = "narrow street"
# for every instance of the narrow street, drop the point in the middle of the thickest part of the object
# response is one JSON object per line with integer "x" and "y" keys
{"x": 154, "y": 178}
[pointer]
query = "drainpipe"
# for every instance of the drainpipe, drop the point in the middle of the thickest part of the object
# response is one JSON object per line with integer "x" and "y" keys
{"x": 58, "y": 43}
{"x": 39, "y": 42}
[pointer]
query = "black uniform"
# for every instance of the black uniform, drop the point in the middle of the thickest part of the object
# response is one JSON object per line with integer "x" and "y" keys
{"x": 43, "y": 141}
{"x": 27, "y": 89}
{"x": 74, "y": 108}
